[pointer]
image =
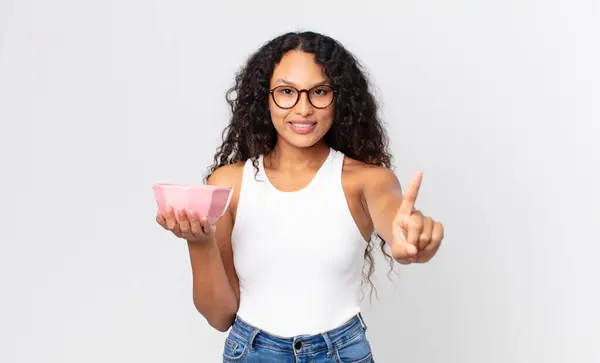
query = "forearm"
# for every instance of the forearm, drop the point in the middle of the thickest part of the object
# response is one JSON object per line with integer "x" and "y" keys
{"x": 384, "y": 219}
{"x": 213, "y": 295}
{"x": 386, "y": 223}
{"x": 383, "y": 196}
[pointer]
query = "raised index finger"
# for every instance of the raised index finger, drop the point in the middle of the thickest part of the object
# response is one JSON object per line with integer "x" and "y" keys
{"x": 408, "y": 201}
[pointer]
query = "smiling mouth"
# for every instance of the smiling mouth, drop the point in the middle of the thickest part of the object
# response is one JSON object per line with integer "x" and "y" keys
{"x": 302, "y": 127}
{"x": 303, "y": 124}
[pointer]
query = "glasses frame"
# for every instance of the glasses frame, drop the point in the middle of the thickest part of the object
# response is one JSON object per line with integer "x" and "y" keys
{"x": 299, "y": 92}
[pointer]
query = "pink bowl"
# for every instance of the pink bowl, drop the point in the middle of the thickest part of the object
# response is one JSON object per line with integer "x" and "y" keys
{"x": 209, "y": 201}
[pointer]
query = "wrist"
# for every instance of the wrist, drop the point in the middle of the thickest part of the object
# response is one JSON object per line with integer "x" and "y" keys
{"x": 205, "y": 244}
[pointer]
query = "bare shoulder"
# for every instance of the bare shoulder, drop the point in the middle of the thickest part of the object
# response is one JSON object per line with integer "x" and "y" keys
{"x": 363, "y": 176}
{"x": 228, "y": 175}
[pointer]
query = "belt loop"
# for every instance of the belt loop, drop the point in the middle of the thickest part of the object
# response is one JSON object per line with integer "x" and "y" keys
{"x": 252, "y": 338}
{"x": 362, "y": 321}
{"x": 329, "y": 344}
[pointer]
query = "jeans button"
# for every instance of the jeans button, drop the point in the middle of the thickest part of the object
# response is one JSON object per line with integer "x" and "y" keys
{"x": 297, "y": 345}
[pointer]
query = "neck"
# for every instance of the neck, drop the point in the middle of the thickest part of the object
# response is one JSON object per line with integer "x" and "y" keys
{"x": 286, "y": 156}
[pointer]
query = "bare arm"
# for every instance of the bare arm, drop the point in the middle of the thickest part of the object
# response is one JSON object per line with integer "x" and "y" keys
{"x": 213, "y": 295}
{"x": 382, "y": 194}
{"x": 215, "y": 283}
{"x": 412, "y": 236}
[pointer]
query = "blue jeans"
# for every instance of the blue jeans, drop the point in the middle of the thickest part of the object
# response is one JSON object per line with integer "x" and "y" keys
{"x": 348, "y": 343}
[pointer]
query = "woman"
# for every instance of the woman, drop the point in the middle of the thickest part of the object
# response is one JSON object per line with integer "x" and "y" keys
{"x": 307, "y": 157}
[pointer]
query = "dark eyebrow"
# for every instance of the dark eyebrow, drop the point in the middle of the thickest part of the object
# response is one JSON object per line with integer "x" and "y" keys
{"x": 322, "y": 83}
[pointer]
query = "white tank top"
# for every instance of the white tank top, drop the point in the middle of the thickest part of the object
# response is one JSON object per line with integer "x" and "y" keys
{"x": 299, "y": 255}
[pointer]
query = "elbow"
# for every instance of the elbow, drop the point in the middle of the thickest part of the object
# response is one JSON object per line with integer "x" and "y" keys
{"x": 220, "y": 326}
{"x": 219, "y": 319}
{"x": 221, "y": 322}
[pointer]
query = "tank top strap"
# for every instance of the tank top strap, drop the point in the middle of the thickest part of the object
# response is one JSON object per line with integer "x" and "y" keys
{"x": 247, "y": 174}
{"x": 250, "y": 172}
{"x": 328, "y": 169}
{"x": 249, "y": 177}
{"x": 337, "y": 164}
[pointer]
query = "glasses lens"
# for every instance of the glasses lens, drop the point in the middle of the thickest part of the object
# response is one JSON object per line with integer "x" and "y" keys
{"x": 285, "y": 97}
{"x": 321, "y": 96}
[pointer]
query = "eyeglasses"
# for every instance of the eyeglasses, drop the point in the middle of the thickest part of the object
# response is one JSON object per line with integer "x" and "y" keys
{"x": 287, "y": 97}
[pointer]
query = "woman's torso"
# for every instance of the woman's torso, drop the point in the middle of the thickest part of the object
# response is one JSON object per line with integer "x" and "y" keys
{"x": 298, "y": 245}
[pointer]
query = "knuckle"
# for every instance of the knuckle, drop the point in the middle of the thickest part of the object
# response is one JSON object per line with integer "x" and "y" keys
{"x": 416, "y": 219}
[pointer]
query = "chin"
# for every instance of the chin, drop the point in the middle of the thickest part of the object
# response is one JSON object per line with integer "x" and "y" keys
{"x": 304, "y": 141}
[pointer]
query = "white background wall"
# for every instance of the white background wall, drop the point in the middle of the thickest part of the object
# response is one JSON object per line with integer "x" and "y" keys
{"x": 497, "y": 101}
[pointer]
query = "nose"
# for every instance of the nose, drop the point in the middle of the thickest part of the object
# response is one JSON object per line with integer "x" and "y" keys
{"x": 303, "y": 107}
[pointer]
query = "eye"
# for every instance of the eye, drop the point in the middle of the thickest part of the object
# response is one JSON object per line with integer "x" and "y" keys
{"x": 286, "y": 91}
{"x": 323, "y": 91}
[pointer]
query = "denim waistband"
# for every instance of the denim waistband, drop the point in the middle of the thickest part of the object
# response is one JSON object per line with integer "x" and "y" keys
{"x": 300, "y": 344}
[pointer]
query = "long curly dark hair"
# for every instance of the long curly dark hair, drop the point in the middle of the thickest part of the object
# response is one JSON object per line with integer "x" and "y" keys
{"x": 357, "y": 130}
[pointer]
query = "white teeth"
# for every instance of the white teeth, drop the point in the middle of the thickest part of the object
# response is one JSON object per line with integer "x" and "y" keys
{"x": 302, "y": 125}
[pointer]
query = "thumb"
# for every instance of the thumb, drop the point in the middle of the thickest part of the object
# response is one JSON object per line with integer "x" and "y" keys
{"x": 403, "y": 250}
{"x": 208, "y": 229}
